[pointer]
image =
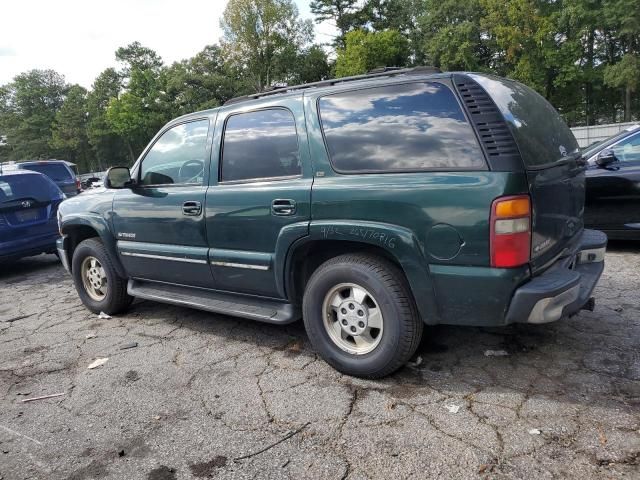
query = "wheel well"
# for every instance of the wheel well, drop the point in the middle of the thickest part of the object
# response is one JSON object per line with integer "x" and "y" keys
{"x": 76, "y": 235}
{"x": 308, "y": 257}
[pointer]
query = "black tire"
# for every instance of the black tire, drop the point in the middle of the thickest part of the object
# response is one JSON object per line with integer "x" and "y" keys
{"x": 402, "y": 325}
{"x": 116, "y": 298}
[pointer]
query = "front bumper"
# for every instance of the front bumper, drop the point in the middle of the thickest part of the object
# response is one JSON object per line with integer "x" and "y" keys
{"x": 61, "y": 246}
{"x": 565, "y": 287}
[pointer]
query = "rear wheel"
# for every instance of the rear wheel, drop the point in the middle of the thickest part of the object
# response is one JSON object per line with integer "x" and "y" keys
{"x": 96, "y": 280}
{"x": 360, "y": 315}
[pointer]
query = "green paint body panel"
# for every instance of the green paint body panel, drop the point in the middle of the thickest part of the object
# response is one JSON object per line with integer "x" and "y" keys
{"x": 434, "y": 224}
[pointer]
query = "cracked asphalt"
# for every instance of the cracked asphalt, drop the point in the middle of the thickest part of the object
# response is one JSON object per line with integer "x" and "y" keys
{"x": 204, "y": 395}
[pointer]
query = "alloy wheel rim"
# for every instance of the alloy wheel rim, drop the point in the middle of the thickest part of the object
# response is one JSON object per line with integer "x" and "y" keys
{"x": 352, "y": 318}
{"x": 94, "y": 278}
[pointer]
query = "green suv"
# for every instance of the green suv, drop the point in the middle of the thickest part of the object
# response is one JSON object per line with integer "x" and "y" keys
{"x": 369, "y": 206}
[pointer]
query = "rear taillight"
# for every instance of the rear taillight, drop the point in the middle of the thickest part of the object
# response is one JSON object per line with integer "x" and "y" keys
{"x": 78, "y": 184}
{"x": 510, "y": 241}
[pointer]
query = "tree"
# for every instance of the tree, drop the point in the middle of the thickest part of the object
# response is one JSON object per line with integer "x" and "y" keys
{"x": 345, "y": 15}
{"x": 311, "y": 66}
{"x": 204, "y": 81}
{"x": 142, "y": 108}
{"x": 453, "y": 38}
{"x": 107, "y": 145}
{"x": 400, "y": 15}
{"x": 69, "y": 128}
{"x": 137, "y": 56}
{"x": 262, "y": 38}
{"x": 626, "y": 75}
{"x": 365, "y": 51}
{"x": 28, "y": 108}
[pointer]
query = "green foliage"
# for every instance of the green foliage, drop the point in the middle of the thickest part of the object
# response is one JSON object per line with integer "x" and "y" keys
{"x": 28, "y": 106}
{"x": 311, "y": 66}
{"x": 204, "y": 81}
{"x": 108, "y": 147}
{"x": 400, "y": 15}
{"x": 365, "y": 51}
{"x": 263, "y": 37}
{"x": 582, "y": 55}
{"x": 69, "y": 128}
{"x": 452, "y": 36}
{"x": 344, "y": 14}
{"x": 625, "y": 73}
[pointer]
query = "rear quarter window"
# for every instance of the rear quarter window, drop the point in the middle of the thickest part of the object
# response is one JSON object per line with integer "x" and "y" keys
{"x": 401, "y": 127}
{"x": 541, "y": 134}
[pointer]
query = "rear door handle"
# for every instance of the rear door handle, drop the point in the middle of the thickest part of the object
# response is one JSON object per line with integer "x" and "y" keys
{"x": 283, "y": 207}
{"x": 192, "y": 208}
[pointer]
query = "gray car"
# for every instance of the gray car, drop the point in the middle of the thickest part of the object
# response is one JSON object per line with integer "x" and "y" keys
{"x": 63, "y": 173}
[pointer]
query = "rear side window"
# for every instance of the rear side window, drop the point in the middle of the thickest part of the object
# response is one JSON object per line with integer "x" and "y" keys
{"x": 260, "y": 144}
{"x": 541, "y": 134}
{"x": 406, "y": 127}
{"x": 55, "y": 171}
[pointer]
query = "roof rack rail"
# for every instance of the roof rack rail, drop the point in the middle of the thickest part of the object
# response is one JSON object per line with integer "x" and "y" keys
{"x": 377, "y": 72}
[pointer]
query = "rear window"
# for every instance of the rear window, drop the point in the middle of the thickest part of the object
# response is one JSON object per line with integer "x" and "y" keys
{"x": 15, "y": 187}
{"x": 55, "y": 171}
{"x": 402, "y": 127}
{"x": 541, "y": 134}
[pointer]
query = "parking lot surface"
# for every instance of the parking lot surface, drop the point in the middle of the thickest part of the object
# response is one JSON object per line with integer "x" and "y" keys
{"x": 187, "y": 394}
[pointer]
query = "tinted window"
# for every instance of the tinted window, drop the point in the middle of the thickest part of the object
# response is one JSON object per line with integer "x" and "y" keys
{"x": 539, "y": 130}
{"x": 628, "y": 150}
{"x": 15, "y": 187}
{"x": 55, "y": 171}
{"x": 260, "y": 144}
{"x": 413, "y": 126}
{"x": 178, "y": 156}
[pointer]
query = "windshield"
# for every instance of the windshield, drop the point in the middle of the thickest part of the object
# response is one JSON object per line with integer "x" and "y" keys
{"x": 593, "y": 148}
{"x": 54, "y": 171}
{"x": 542, "y": 135}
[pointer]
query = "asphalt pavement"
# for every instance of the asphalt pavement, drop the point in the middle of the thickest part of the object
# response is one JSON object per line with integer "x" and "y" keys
{"x": 187, "y": 394}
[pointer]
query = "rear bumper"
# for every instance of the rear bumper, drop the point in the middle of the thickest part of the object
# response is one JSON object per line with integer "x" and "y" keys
{"x": 28, "y": 246}
{"x": 565, "y": 287}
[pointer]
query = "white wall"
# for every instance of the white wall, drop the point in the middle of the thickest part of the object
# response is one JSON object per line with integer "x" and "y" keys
{"x": 588, "y": 135}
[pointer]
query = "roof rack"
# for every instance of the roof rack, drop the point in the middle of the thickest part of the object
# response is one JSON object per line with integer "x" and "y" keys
{"x": 375, "y": 73}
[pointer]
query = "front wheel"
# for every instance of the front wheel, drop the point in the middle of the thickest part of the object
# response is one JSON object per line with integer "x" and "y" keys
{"x": 360, "y": 315}
{"x": 96, "y": 280}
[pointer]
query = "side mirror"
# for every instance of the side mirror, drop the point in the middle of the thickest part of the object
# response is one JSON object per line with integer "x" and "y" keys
{"x": 117, "y": 177}
{"x": 606, "y": 157}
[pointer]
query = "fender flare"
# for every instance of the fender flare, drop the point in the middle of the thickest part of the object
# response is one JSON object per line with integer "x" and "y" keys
{"x": 398, "y": 242}
{"x": 100, "y": 226}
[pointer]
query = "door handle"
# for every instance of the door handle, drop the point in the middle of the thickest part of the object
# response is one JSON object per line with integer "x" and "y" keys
{"x": 283, "y": 207}
{"x": 192, "y": 208}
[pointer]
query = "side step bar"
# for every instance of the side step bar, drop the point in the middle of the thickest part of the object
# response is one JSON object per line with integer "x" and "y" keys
{"x": 262, "y": 310}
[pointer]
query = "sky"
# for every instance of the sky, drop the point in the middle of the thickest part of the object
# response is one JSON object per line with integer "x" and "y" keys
{"x": 78, "y": 38}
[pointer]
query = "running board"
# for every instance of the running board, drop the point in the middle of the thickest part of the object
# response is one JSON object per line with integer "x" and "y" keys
{"x": 260, "y": 309}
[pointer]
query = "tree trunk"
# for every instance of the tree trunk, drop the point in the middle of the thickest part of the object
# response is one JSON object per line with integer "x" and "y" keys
{"x": 588, "y": 88}
{"x": 132, "y": 157}
{"x": 627, "y": 104}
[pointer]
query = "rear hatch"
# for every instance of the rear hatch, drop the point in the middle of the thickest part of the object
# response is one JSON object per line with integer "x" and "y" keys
{"x": 28, "y": 206}
{"x": 552, "y": 161}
